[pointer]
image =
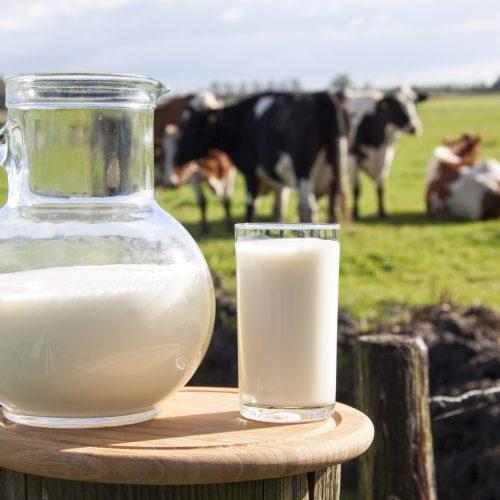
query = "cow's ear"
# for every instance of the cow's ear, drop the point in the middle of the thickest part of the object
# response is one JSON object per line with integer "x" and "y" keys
{"x": 212, "y": 118}
{"x": 422, "y": 96}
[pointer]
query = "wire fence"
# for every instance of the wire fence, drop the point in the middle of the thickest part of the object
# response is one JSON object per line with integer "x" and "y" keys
{"x": 449, "y": 406}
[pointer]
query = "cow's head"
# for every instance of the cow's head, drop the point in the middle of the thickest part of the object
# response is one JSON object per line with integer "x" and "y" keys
{"x": 465, "y": 148}
{"x": 400, "y": 111}
{"x": 206, "y": 100}
{"x": 196, "y": 135}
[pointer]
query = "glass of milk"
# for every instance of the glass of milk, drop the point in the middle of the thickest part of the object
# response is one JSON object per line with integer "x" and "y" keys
{"x": 287, "y": 291}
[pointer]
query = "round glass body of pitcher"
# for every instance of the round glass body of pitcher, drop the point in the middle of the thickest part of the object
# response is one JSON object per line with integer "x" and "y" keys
{"x": 106, "y": 302}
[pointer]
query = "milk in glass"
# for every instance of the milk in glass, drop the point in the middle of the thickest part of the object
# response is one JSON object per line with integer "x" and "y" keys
{"x": 287, "y": 321}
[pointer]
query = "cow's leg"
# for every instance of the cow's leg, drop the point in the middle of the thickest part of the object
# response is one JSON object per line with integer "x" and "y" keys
{"x": 332, "y": 209}
{"x": 281, "y": 204}
{"x": 195, "y": 181}
{"x": 250, "y": 207}
{"x": 227, "y": 209}
{"x": 252, "y": 190}
{"x": 334, "y": 195}
{"x": 380, "y": 196}
{"x": 226, "y": 198}
{"x": 204, "y": 227}
{"x": 308, "y": 207}
{"x": 340, "y": 205}
{"x": 356, "y": 190}
{"x": 339, "y": 163}
{"x": 314, "y": 208}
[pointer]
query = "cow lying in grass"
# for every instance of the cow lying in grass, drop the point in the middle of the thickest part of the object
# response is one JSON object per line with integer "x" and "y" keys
{"x": 459, "y": 187}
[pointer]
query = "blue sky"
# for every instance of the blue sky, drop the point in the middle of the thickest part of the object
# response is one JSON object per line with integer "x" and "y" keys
{"x": 189, "y": 44}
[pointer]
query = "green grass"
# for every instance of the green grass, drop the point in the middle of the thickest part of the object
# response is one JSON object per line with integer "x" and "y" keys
{"x": 407, "y": 259}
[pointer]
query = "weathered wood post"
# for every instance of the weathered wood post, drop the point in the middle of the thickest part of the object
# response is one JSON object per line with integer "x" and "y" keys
{"x": 392, "y": 385}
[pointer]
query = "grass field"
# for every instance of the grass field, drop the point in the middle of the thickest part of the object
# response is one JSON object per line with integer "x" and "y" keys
{"x": 406, "y": 259}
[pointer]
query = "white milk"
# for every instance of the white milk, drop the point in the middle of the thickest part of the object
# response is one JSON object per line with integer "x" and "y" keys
{"x": 94, "y": 341}
{"x": 287, "y": 321}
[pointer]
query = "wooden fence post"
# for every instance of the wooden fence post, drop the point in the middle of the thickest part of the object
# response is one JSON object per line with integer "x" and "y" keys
{"x": 392, "y": 386}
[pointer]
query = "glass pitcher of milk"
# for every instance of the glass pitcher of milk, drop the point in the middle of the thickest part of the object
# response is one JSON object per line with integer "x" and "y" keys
{"x": 106, "y": 302}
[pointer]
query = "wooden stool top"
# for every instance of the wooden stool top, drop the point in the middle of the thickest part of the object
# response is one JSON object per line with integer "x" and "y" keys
{"x": 198, "y": 437}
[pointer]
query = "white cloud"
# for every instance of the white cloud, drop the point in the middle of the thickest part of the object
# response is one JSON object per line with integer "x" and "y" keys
{"x": 232, "y": 14}
{"x": 24, "y": 15}
{"x": 383, "y": 17}
{"x": 357, "y": 22}
{"x": 190, "y": 43}
{"x": 475, "y": 26}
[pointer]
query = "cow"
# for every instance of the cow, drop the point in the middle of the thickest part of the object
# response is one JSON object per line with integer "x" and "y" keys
{"x": 215, "y": 169}
{"x": 459, "y": 187}
{"x": 278, "y": 141}
{"x": 376, "y": 122}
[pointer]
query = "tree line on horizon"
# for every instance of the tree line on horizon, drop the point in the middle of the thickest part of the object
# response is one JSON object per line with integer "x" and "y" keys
{"x": 342, "y": 81}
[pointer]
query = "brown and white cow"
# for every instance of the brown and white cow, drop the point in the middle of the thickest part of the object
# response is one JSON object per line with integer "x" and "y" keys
{"x": 459, "y": 187}
{"x": 216, "y": 169}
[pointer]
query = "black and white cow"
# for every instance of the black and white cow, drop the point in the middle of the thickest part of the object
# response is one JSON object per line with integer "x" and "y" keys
{"x": 278, "y": 141}
{"x": 376, "y": 122}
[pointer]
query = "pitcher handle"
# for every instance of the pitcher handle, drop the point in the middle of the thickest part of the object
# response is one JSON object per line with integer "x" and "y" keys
{"x": 4, "y": 139}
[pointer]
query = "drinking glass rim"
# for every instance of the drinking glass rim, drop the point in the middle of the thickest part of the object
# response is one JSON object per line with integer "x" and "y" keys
{"x": 290, "y": 226}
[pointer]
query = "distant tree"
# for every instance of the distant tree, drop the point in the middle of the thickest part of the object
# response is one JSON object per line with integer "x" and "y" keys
{"x": 228, "y": 88}
{"x": 295, "y": 85}
{"x": 215, "y": 87}
{"x": 256, "y": 88}
{"x": 271, "y": 85}
{"x": 342, "y": 81}
{"x": 243, "y": 89}
{"x": 496, "y": 85}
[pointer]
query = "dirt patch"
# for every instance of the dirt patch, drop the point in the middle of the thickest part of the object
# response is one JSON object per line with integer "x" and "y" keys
{"x": 464, "y": 355}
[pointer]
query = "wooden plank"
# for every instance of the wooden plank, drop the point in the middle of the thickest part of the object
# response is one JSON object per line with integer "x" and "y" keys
{"x": 13, "y": 485}
{"x": 198, "y": 437}
{"x": 319, "y": 485}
